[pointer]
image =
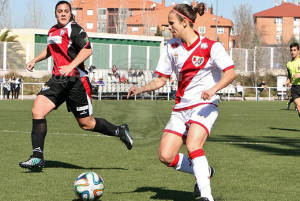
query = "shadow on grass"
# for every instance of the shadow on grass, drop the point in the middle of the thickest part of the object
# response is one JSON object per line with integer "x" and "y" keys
{"x": 286, "y": 146}
{"x": 285, "y": 129}
{"x": 164, "y": 194}
{"x": 59, "y": 164}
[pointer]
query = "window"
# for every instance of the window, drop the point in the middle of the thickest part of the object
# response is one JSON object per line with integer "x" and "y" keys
{"x": 153, "y": 29}
{"x": 89, "y": 25}
{"x": 220, "y": 30}
{"x": 90, "y": 12}
{"x": 201, "y": 30}
{"x": 130, "y": 13}
{"x": 102, "y": 11}
{"x": 278, "y": 39}
{"x": 278, "y": 20}
{"x": 134, "y": 29}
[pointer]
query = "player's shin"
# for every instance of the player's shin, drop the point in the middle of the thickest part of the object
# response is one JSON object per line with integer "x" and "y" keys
{"x": 201, "y": 172}
{"x": 38, "y": 134}
{"x": 182, "y": 163}
{"x": 105, "y": 127}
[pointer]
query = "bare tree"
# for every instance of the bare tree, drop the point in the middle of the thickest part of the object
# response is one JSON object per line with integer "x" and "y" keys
{"x": 34, "y": 18}
{"x": 4, "y": 14}
{"x": 244, "y": 25}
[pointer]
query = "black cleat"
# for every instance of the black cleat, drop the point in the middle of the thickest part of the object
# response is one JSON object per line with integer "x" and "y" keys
{"x": 196, "y": 189}
{"x": 33, "y": 162}
{"x": 125, "y": 136}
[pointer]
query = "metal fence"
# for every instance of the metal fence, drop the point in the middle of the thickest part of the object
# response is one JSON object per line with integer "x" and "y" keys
{"x": 14, "y": 56}
{"x": 260, "y": 59}
{"x": 119, "y": 92}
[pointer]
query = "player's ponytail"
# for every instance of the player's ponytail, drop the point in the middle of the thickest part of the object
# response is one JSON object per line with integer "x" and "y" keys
{"x": 200, "y": 8}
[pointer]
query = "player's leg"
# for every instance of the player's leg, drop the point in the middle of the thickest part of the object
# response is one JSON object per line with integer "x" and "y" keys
{"x": 195, "y": 141}
{"x": 173, "y": 138}
{"x": 104, "y": 127}
{"x": 297, "y": 104}
{"x": 295, "y": 92}
{"x": 80, "y": 103}
{"x": 201, "y": 122}
{"x": 41, "y": 107}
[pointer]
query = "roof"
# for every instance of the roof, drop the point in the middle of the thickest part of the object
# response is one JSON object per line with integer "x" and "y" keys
{"x": 283, "y": 10}
{"x": 133, "y": 4}
{"x": 160, "y": 16}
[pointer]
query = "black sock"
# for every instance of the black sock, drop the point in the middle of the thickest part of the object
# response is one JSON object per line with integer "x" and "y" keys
{"x": 106, "y": 128}
{"x": 38, "y": 134}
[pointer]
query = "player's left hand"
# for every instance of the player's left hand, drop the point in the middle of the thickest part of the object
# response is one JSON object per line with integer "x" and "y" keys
{"x": 134, "y": 90}
{"x": 65, "y": 70}
{"x": 206, "y": 95}
{"x": 297, "y": 75}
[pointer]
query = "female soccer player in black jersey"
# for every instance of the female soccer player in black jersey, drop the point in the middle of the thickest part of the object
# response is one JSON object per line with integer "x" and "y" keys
{"x": 69, "y": 46}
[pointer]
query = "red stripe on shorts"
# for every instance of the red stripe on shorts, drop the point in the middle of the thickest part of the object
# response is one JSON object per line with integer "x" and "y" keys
{"x": 86, "y": 86}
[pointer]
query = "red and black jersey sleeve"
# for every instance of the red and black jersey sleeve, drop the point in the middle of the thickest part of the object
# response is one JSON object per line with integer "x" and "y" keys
{"x": 79, "y": 37}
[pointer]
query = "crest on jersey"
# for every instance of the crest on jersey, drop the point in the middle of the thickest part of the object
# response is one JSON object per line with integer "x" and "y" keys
{"x": 62, "y": 32}
{"x": 174, "y": 45}
{"x": 197, "y": 61}
{"x": 176, "y": 56}
{"x": 204, "y": 46}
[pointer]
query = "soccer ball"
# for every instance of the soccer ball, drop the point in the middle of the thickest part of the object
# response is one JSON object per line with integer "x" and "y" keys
{"x": 89, "y": 186}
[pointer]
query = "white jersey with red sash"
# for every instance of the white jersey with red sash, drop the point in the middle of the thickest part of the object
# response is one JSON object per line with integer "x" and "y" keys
{"x": 197, "y": 68}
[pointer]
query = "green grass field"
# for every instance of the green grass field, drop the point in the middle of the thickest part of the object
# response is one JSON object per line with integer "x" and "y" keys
{"x": 254, "y": 148}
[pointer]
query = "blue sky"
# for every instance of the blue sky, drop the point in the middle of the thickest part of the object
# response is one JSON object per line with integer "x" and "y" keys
{"x": 19, "y": 9}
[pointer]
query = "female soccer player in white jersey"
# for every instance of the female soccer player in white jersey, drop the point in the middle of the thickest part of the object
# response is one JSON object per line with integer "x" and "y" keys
{"x": 198, "y": 64}
{"x": 69, "y": 46}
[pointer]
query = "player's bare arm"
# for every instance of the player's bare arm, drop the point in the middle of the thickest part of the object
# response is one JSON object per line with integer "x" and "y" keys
{"x": 81, "y": 57}
{"x": 153, "y": 85}
{"x": 45, "y": 53}
{"x": 226, "y": 79}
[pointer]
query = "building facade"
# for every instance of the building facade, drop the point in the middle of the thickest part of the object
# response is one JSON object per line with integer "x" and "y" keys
{"x": 144, "y": 17}
{"x": 279, "y": 24}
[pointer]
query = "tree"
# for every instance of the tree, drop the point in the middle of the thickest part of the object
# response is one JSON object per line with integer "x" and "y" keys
{"x": 34, "y": 18}
{"x": 244, "y": 26}
{"x": 15, "y": 53}
{"x": 4, "y": 13}
{"x": 158, "y": 31}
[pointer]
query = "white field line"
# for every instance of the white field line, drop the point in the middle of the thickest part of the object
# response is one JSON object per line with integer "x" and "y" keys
{"x": 135, "y": 137}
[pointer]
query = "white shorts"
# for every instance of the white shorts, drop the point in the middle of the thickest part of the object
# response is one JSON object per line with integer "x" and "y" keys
{"x": 204, "y": 115}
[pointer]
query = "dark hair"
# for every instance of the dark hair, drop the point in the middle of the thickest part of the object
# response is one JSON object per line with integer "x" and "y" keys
{"x": 294, "y": 45}
{"x": 70, "y": 7}
{"x": 189, "y": 11}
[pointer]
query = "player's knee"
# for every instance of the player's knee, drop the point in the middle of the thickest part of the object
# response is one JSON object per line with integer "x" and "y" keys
{"x": 166, "y": 158}
{"x": 36, "y": 113}
{"x": 85, "y": 125}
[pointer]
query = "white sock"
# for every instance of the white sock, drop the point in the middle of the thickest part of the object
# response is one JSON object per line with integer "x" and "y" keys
{"x": 201, "y": 172}
{"x": 184, "y": 164}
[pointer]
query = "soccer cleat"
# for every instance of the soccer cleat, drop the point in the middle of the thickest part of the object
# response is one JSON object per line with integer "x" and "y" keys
{"x": 125, "y": 136}
{"x": 288, "y": 106}
{"x": 33, "y": 162}
{"x": 196, "y": 189}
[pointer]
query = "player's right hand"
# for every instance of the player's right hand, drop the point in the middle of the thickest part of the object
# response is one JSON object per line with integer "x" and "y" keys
{"x": 30, "y": 66}
{"x": 134, "y": 90}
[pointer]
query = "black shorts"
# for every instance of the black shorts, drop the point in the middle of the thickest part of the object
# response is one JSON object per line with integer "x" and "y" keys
{"x": 75, "y": 91}
{"x": 295, "y": 92}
